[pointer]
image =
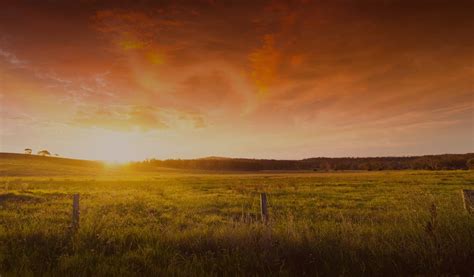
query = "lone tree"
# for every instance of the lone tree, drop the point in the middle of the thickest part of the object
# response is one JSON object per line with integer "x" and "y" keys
{"x": 28, "y": 151}
{"x": 44, "y": 153}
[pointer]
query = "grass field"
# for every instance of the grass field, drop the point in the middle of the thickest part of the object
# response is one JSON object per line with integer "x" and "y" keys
{"x": 173, "y": 223}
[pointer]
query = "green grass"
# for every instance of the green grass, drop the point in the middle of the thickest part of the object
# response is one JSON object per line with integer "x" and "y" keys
{"x": 366, "y": 223}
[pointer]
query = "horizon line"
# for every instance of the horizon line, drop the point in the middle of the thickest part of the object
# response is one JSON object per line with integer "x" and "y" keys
{"x": 241, "y": 158}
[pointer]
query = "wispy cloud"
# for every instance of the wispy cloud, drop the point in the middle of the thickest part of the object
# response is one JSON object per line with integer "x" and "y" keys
{"x": 120, "y": 118}
{"x": 75, "y": 89}
{"x": 12, "y": 59}
{"x": 136, "y": 118}
{"x": 265, "y": 62}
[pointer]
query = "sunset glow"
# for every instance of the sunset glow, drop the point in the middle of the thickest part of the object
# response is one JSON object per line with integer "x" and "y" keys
{"x": 113, "y": 146}
{"x": 130, "y": 80}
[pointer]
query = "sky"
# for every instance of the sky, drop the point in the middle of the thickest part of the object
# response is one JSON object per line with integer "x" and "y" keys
{"x": 129, "y": 80}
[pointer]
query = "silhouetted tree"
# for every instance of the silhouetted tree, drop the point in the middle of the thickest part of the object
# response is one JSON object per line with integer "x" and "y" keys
{"x": 470, "y": 163}
{"x": 44, "y": 153}
{"x": 430, "y": 162}
{"x": 28, "y": 151}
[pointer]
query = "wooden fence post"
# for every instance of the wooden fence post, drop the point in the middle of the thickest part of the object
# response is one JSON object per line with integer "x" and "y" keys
{"x": 468, "y": 199}
{"x": 263, "y": 207}
{"x": 75, "y": 211}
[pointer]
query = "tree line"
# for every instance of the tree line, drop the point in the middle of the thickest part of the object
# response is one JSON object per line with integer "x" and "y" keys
{"x": 430, "y": 162}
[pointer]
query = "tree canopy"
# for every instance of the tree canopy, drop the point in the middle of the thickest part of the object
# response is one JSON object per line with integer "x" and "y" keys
{"x": 44, "y": 153}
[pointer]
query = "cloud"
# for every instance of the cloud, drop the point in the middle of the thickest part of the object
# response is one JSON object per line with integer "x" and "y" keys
{"x": 265, "y": 62}
{"x": 132, "y": 118}
{"x": 12, "y": 59}
{"x": 129, "y": 29}
{"x": 279, "y": 56}
{"x": 137, "y": 118}
{"x": 195, "y": 118}
{"x": 50, "y": 83}
{"x": 140, "y": 31}
{"x": 208, "y": 90}
{"x": 298, "y": 70}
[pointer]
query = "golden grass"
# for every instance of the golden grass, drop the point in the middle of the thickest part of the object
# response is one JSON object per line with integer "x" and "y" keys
{"x": 368, "y": 223}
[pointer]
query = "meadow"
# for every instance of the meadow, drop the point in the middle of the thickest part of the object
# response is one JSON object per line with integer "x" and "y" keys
{"x": 194, "y": 224}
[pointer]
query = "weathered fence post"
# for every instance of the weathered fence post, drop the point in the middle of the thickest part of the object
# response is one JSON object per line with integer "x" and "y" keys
{"x": 468, "y": 199}
{"x": 263, "y": 207}
{"x": 75, "y": 211}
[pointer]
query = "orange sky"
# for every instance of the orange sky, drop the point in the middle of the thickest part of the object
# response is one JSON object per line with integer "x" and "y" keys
{"x": 128, "y": 80}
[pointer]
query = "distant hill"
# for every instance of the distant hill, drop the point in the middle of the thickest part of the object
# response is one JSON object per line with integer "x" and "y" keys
{"x": 12, "y": 164}
{"x": 215, "y": 158}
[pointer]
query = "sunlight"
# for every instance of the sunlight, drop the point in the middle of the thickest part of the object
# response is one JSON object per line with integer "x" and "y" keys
{"x": 114, "y": 147}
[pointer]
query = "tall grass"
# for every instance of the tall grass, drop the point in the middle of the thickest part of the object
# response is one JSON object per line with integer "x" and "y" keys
{"x": 171, "y": 224}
